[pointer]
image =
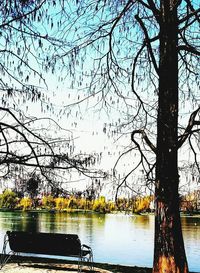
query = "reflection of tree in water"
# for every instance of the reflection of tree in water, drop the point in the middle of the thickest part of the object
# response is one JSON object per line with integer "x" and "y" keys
{"x": 144, "y": 221}
{"x": 22, "y": 221}
{"x": 90, "y": 224}
{"x": 83, "y": 224}
{"x": 190, "y": 226}
{"x": 29, "y": 222}
{"x": 47, "y": 222}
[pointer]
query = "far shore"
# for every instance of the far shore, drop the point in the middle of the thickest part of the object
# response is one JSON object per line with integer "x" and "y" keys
{"x": 182, "y": 213}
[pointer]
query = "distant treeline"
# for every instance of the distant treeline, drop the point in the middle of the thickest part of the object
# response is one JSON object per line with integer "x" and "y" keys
{"x": 10, "y": 200}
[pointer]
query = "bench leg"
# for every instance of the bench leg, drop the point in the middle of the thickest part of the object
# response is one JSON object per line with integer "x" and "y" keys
{"x": 91, "y": 261}
{"x": 88, "y": 259}
{"x": 19, "y": 259}
{"x": 80, "y": 264}
{"x": 5, "y": 256}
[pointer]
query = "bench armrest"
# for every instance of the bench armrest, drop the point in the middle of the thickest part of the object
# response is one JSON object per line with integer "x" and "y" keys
{"x": 85, "y": 246}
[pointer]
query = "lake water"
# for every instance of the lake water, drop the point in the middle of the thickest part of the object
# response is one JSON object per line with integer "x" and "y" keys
{"x": 114, "y": 238}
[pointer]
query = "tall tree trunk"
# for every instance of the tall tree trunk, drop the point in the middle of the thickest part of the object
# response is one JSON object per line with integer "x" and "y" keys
{"x": 169, "y": 252}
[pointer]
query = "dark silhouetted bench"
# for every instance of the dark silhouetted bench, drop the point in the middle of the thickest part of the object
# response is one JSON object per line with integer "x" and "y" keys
{"x": 68, "y": 245}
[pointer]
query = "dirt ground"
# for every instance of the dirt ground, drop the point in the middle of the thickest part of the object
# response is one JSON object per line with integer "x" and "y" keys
{"x": 47, "y": 268}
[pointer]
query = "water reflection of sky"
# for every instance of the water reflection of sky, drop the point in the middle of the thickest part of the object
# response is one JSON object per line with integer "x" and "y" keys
{"x": 119, "y": 239}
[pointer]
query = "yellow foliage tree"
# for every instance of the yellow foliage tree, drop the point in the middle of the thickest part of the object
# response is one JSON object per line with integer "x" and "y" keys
{"x": 48, "y": 202}
{"x": 62, "y": 203}
{"x": 25, "y": 203}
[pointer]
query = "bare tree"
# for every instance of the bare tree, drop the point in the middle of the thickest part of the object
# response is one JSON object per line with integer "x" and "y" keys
{"x": 146, "y": 52}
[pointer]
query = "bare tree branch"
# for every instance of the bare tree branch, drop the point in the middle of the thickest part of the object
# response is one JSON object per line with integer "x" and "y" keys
{"x": 194, "y": 12}
{"x": 148, "y": 42}
{"x": 145, "y": 137}
{"x": 189, "y": 49}
{"x": 188, "y": 130}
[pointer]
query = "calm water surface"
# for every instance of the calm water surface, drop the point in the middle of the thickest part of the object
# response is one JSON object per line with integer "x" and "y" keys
{"x": 118, "y": 239}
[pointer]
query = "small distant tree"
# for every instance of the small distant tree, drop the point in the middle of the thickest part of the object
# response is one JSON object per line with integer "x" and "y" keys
{"x": 32, "y": 186}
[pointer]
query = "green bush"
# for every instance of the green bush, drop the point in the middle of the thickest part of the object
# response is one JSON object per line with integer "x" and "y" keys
{"x": 8, "y": 199}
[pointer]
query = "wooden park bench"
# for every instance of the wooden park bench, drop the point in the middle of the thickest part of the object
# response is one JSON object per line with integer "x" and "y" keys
{"x": 68, "y": 245}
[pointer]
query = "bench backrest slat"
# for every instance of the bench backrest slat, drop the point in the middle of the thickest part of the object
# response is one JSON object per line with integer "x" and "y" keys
{"x": 44, "y": 243}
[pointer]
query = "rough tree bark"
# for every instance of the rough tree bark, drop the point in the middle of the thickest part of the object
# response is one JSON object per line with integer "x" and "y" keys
{"x": 169, "y": 252}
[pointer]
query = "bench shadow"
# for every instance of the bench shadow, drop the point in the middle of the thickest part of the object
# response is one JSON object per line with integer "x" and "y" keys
{"x": 64, "y": 267}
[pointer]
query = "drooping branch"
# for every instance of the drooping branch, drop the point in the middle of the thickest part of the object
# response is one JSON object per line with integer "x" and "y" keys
{"x": 126, "y": 152}
{"x": 124, "y": 182}
{"x": 189, "y": 129}
{"x": 21, "y": 15}
{"x": 141, "y": 161}
{"x": 24, "y": 146}
{"x": 143, "y": 158}
{"x": 23, "y": 62}
{"x": 148, "y": 43}
{"x": 196, "y": 163}
{"x": 145, "y": 137}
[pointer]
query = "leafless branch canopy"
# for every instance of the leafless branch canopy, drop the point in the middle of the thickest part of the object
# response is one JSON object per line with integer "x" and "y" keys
{"x": 36, "y": 145}
{"x": 107, "y": 48}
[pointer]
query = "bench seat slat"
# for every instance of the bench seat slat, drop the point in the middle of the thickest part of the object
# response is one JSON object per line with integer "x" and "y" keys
{"x": 45, "y": 243}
